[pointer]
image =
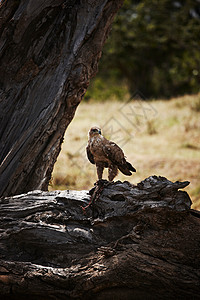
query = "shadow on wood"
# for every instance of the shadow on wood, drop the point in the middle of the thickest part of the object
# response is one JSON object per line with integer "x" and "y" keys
{"x": 132, "y": 242}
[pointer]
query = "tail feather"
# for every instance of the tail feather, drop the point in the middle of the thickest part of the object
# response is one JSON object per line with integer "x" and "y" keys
{"x": 126, "y": 168}
{"x": 130, "y": 167}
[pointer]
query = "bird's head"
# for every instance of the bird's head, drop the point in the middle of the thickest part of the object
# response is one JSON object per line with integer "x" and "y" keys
{"x": 94, "y": 131}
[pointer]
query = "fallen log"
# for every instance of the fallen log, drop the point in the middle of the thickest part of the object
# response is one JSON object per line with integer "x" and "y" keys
{"x": 131, "y": 242}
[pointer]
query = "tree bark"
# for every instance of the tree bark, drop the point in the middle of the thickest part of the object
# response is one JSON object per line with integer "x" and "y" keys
{"x": 132, "y": 242}
{"x": 49, "y": 52}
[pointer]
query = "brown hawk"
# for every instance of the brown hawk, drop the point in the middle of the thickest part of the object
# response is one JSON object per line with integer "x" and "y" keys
{"x": 106, "y": 154}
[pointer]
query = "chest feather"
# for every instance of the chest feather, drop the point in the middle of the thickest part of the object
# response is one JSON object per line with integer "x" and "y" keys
{"x": 96, "y": 146}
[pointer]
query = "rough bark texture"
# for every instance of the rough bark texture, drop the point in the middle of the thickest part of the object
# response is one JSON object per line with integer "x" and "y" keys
{"x": 133, "y": 242}
{"x": 49, "y": 51}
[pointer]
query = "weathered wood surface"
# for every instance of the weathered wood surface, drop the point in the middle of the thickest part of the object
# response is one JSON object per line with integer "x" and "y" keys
{"x": 49, "y": 50}
{"x": 133, "y": 242}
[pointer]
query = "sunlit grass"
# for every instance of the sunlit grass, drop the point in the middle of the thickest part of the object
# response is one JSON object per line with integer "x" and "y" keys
{"x": 158, "y": 137}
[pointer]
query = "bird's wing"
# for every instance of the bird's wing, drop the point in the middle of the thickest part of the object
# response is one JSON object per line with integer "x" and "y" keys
{"x": 90, "y": 155}
{"x": 113, "y": 152}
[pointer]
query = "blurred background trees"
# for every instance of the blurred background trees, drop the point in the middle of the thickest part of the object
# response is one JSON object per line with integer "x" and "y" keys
{"x": 153, "y": 48}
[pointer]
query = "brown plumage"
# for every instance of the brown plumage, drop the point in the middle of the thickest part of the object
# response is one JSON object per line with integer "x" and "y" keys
{"x": 106, "y": 154}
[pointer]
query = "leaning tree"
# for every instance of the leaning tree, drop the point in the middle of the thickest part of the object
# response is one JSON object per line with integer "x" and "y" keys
{"x": 49, "y": 51}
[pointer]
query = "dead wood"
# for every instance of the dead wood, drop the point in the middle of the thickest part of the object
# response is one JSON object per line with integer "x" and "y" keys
{"x": 49, "y": 51}
{"x": 132, "y": 242}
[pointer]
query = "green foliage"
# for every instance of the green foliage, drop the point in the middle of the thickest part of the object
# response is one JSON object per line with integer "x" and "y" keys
{"x": 154, "y": 47}
{"x": 101, "y": 90}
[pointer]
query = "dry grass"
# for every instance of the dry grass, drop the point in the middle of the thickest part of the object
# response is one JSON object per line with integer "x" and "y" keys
{"x": 158, "y": 137}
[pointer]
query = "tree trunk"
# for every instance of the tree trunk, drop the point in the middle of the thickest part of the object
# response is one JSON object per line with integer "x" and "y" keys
{"x": 132, "y": 242}
{"x": 49, "y": 52}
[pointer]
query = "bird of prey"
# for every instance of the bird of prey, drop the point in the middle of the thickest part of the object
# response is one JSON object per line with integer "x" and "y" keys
{"x": 106, "y": 154}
